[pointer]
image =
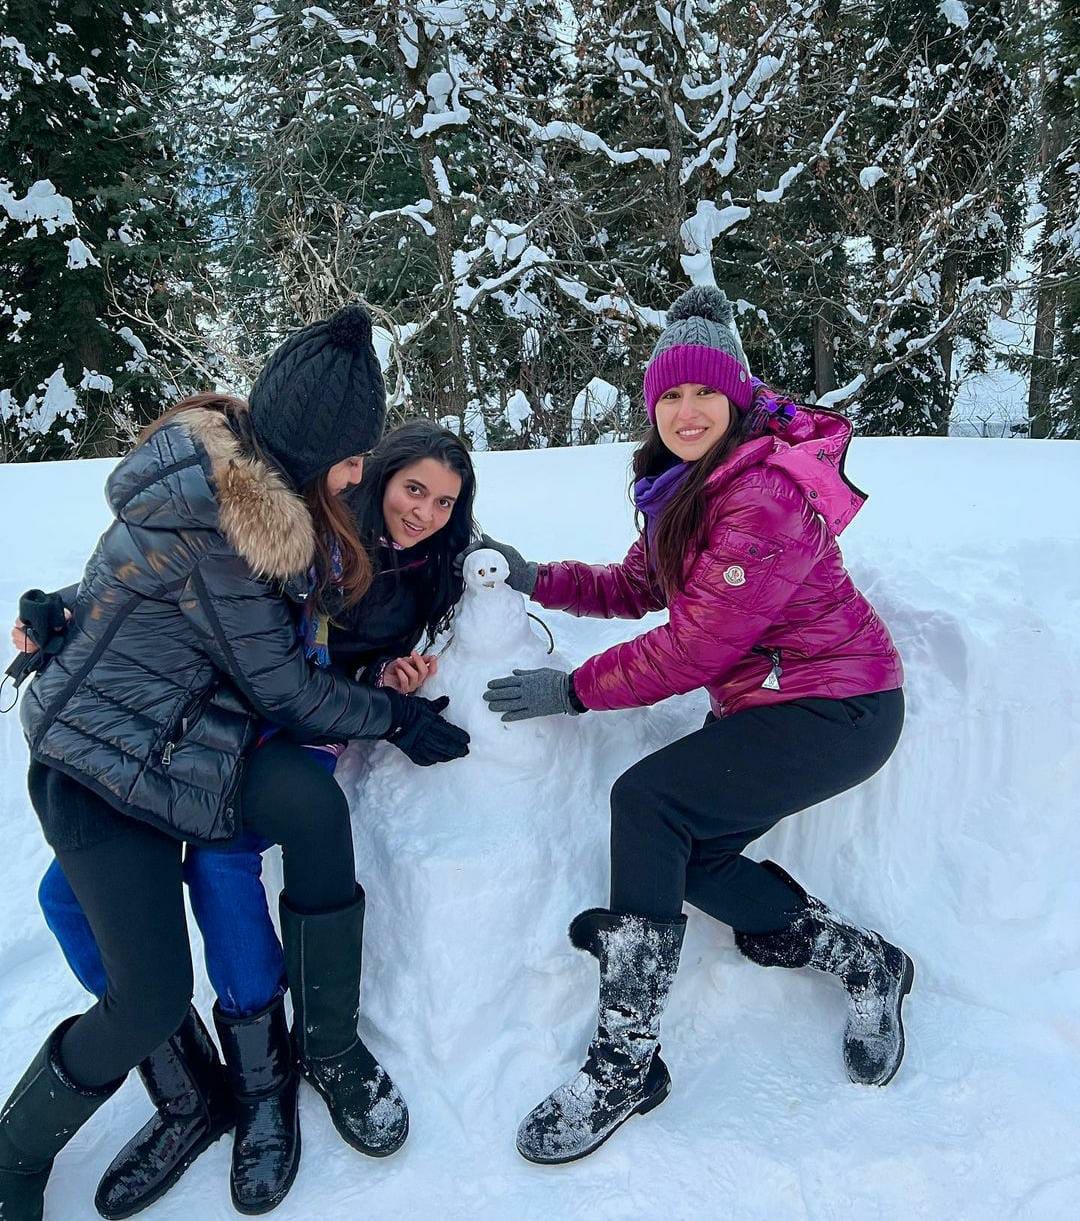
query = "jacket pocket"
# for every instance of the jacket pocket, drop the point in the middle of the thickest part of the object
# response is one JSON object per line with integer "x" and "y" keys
{"x": 740, "y": 564}
{"x": 184, "y": 722}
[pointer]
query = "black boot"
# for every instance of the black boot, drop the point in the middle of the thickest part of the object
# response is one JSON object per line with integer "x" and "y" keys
{"x": 186, "y": 1084}
{"x": 876, "y": 973}
{"x": 262, "y": 1073}
{"x": 44, "y": 1112}
{"x": 623, "y": 1074}
{"x": 323, "y": 959}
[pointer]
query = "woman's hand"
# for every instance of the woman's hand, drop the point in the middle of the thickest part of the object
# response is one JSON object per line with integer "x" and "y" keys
{"x": 21, "y": 641}
{"x": 530, "y": 693}
{"x": 20, "y": 637}
{"x": 408, "y": 674}
{"x": 523, "y": 572}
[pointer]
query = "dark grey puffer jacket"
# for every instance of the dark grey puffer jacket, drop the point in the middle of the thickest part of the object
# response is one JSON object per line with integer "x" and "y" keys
{"x": 183, "y": 639}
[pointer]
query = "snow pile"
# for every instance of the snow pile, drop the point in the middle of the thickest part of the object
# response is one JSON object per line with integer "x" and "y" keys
{"x": 963, "y": 850}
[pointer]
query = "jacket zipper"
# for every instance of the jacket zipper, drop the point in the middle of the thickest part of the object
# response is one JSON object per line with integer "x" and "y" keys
{"x": 772, "y": 679}
{"x": 186, "y": 719}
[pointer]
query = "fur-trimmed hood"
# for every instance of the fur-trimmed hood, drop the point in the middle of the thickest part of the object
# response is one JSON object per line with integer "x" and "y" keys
{"x": 195, "y": 472}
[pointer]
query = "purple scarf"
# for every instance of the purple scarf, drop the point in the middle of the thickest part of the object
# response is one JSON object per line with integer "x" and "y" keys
{"x": 653, "y": 493}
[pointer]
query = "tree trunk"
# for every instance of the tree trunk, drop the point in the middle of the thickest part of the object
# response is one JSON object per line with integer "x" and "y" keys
{"x": 1042, "y": 379}
{"x": 824, "y": 356}
{"x": 946, "y": 344}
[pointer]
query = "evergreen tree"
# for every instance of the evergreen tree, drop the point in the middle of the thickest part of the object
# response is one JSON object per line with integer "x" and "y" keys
{"x": 1054, "y": 394}
{"x": 92, "y": 225}
{"x": 945, "y": 218}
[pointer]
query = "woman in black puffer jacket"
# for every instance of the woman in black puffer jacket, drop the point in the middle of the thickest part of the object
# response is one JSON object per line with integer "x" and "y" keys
{"x": 184, "y": 640}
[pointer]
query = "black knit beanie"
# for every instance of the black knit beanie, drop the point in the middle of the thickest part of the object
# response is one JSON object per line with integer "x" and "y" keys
{"x": 320, "y": 397}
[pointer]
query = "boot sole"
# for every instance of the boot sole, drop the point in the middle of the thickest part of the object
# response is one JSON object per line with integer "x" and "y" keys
{"x": 906, "y": 981}
{"x": 256, "y": 1210}
{"x": 348, "y": 1137}
{"x": 173, "y": 1177}
{"x": 642, "y": 1108}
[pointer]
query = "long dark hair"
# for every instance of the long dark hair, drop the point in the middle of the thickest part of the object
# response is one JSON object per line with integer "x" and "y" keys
{"x": 441, "y": 586}
{"x": 680, "y": 532}
{"x": 330, "y": 517}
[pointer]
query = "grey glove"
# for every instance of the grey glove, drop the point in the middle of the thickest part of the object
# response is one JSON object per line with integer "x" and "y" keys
{"x": 522, "y": 573}
{"x": 530, "y": 693}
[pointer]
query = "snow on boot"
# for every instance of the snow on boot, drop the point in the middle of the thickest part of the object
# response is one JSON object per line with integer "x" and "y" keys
{"x": 623, "y": 1074}
{"x": 44, "y": 1112}
{"x": 262, "y": 1073}
{"x": 876, "y": 973}
{"x": 323, "y": 960}
{"x": 192, "y": 1109}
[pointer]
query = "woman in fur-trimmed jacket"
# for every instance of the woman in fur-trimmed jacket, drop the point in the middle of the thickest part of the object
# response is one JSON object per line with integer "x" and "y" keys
{"x": 743, "y": 496}
{"x": 184, "y": 639}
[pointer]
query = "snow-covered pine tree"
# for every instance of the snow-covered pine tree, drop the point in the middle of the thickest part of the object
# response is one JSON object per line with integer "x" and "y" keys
{"x": 943, "y": 187}
{"x": 91, "y": 219}
{"x": 1054, "y": 387}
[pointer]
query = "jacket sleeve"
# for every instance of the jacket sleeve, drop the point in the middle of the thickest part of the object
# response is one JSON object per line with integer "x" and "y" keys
{"x": 756, "y": 557}
{"x": 603, "y": 591}
{"x": 68, "y": 594}
{"x": 249, "y": 633}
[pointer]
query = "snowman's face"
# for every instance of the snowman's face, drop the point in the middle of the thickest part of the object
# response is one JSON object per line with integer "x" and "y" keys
{"x": 485, "y": 569}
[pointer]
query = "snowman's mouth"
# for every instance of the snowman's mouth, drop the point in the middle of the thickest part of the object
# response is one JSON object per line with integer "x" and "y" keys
{"x": 489, "y": 584}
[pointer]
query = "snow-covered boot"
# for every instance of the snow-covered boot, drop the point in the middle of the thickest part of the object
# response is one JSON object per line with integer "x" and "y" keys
{"x": 876, "y": 974}
{"x": 262, "y": 1073}
{"x": 323, "y": 961}
{"x": 623, "y": 1074}
{"x": 192, "y": 1109}
{"x": 44, "y": 1112}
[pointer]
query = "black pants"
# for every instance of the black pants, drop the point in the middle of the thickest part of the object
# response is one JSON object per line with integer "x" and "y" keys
{"x": 130, "y": 888}
{"x": 681, "y": 817}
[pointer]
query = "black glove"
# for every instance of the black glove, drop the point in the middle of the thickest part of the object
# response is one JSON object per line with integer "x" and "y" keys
{"x": 45, "y": 622}
{"x": 422, "y": 733}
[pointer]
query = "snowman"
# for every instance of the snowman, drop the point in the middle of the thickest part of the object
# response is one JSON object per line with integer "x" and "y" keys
{"x": 492, "y": 635}
{"x": 473, "y": 867}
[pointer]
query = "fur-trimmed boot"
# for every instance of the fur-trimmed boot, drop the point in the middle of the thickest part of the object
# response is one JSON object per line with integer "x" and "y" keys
{"x": 876, "y": 973}
{"x": 44, "y": 1112}
{"x": 262, "y": 1074}
{"x": 323, "y": 961}
{"x": 623, "y": 1074}
{"x": 192, "y": 1109}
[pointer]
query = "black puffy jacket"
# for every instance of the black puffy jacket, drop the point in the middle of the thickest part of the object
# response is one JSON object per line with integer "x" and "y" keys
{"x": 183, "y": 637}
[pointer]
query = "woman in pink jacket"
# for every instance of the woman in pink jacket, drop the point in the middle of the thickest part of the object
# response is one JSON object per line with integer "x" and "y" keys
{"x": 743, "y": 495}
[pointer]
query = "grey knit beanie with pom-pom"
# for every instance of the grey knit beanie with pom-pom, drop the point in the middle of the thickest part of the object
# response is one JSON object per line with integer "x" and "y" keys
{"x": 320, "y": 397}
{"x": 701, "y": 345}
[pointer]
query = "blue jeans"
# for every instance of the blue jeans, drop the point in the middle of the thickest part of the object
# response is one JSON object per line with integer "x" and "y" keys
{"x": 242, "y": 952}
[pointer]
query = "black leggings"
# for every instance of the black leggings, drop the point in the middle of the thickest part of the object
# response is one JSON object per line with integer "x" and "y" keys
{"x": 130, "y": 888}
{"x": 681, "y": 817}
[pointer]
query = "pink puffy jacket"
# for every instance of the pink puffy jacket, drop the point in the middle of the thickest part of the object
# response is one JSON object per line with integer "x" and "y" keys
{"x": 768, "y": 613}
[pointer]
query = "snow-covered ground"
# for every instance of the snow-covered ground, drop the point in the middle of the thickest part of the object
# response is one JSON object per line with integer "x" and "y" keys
{"x": 964, "y": 850}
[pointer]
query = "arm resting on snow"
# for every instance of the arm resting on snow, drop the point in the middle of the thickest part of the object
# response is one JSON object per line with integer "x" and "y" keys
{"x": 715, "y": 620}
{"x": 249, "y": 633}
{"x": 602, "y": 591}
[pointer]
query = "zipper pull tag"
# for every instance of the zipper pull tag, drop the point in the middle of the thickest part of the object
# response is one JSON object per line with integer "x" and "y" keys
{"x": 166, "y": 754}
{"x": 772, "y": 682}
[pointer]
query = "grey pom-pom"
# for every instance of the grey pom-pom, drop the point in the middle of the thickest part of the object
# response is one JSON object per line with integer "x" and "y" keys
{"x": 350, "y": 328}
{"x": 702, "y": 301}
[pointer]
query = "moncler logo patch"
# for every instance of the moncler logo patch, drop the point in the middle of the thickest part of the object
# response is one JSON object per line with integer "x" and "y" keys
{"x": 735, "y": 575}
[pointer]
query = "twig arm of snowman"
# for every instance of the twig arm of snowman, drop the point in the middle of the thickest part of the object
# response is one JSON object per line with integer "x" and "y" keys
{"x": 525, "y": 694}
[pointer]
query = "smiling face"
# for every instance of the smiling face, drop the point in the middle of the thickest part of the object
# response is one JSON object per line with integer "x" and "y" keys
{"x": 691, "y": 419}
{"x": 418, "y": 501}
{"x": 344, "y": 474}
